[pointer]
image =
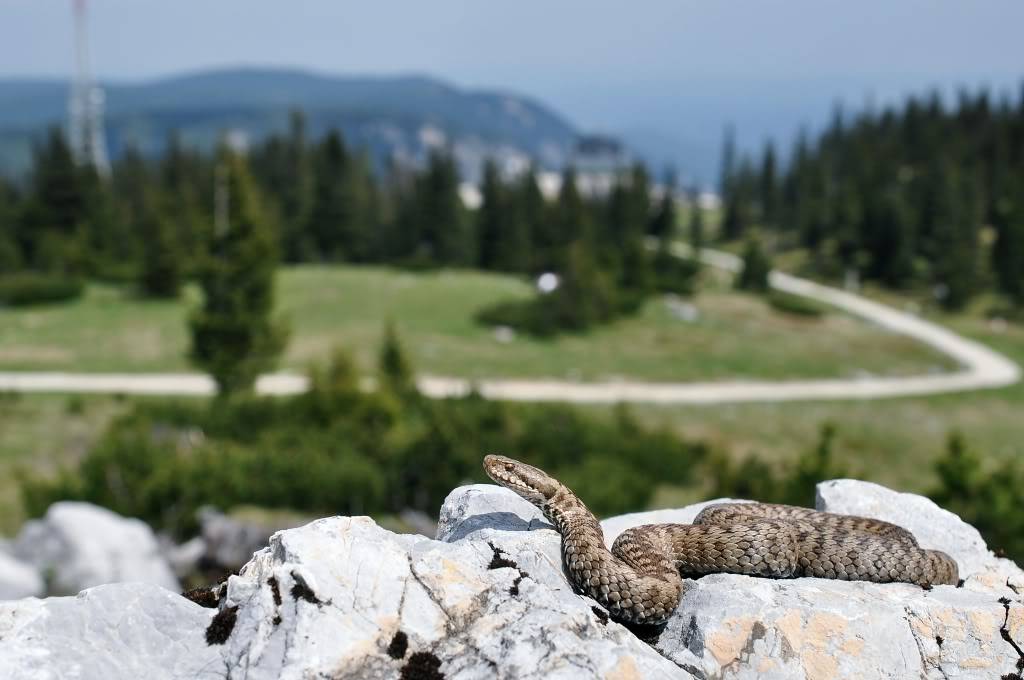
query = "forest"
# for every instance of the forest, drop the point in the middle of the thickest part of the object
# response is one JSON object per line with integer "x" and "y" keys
{"x": 923, "y": 195}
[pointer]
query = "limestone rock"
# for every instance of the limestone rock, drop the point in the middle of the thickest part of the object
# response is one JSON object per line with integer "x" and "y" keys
{"x": 124, "y": 631}
{"x": 79, "y": 545}
{"x": 18, "y": 579}
{"x": 343, "y": 598}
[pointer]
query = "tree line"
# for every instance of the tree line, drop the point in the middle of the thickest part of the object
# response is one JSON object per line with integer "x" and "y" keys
{"x": 324, "y": 203}
{"x": 923, "y": 194}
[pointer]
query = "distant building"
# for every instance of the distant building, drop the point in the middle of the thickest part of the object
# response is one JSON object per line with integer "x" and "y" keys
{"x": 599, "y": 161}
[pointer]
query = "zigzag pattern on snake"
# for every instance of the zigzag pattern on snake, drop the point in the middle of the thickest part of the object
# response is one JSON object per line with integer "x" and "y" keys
{"x": 640, "y": 580}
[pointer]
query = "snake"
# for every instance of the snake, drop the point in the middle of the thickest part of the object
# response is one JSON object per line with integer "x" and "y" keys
{"x": 640, "y": 580}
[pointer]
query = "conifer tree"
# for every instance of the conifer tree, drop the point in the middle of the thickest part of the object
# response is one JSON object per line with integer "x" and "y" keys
{"x": 663, "y": 224}
{"x": 757, "y": 266}
{"x": 1008, "y": 251}
{"x": 533, "y": 210}
{"x": 446, "y": 229}
{"x": 55, "y": 207}
{"x": 491, "y": 218}
{"x": 161, "y": 271}
{"x": 769, "y": 189}
{"x": 394, "y": 368}
{"x": 696, "y": 227}
{"x": 234, "y": 334}
{"x": 10, "y": 253}
{"x": 572, "y": 221}
{"x": 330, "y": 220}
{"x": 956, "y": 237}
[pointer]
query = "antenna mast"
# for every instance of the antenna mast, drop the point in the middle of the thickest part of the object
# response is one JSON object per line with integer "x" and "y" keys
{"x": 85, "y": 104}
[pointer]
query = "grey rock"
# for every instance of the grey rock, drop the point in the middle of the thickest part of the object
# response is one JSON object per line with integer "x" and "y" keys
{"x": 343, "y": 598}
{"x": 80, "y": 545}
{"x": 18, "y": 579}
{"x": 115, "y": 632}
{"x": 230, "y": 541}
{"x": 464, "y": 607}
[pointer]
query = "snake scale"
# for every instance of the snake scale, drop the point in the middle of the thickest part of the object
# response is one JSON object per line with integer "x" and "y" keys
{"x": 640, "y": 580}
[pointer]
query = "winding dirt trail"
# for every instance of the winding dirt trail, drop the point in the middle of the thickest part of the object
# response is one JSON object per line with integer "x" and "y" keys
{"x": 981, "y": 368}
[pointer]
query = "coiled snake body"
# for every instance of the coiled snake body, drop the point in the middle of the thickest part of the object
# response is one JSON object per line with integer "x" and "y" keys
{"x": 640, "y": 579}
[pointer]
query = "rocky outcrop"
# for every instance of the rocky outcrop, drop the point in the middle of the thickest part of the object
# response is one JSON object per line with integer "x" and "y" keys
{"x": 343, "y": 598}
{"x": 79, "y": 545}
{"x": 18, "y": 579}
{"x": 127, "y": 630}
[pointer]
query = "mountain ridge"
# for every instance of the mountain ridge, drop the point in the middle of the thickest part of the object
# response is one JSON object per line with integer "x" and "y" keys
{"x": 387, "y": 115}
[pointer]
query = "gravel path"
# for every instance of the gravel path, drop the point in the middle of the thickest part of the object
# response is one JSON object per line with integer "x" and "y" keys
{"x": 981, "y": 368}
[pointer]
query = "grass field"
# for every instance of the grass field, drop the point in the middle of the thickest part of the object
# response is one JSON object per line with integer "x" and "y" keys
{"x": 893, "y": 442}
{"x": 735, "y": 335}
{"x": 40, "y": 433}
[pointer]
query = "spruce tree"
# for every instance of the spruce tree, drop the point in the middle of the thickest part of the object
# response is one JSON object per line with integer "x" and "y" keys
{"x": 394, "y": 368}
{"x": 956, "y": 237}
{"x": 55, "y": 208}
{"x": 491, "y": 218}
{"x": 663, "y": 224}
{"x": 533, "y": 210}
{"x": 756, "y": 268}
{"x": 234, "y": 335}
{"x": 572, "y": 221}
{"x": 696, "y": 227}
{"x": 1008, "y": 251}
{"x": 10, "y": 253}
{"x": 161, "y": 271}
{"x": 329, "y": 224}
{"x": 446, "y": 229}
{"x": 768, "y": 197}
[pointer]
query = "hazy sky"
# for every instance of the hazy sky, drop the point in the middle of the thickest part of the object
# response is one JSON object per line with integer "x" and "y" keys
{"x": 604, "y": 64}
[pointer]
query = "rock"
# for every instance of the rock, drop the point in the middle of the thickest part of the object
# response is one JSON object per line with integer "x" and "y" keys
{"x": 79, "y": 545}
{"x": 18, "y": 580}
{"x": 114, "y": 632}
{"x": 742, "y": 627}
{"x": 231, "y": 540}
{"x": 184, "y": 559}
{"x": 343, "y": 598}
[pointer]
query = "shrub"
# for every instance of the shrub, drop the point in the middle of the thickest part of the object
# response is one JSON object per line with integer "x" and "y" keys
{"x": 33, "y": 288}
{"x": 337, "y": 449}
{"x": 756, "y": 269}
{"x": 795, "y": 304}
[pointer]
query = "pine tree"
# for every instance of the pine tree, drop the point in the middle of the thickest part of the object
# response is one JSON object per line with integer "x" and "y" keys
{"x": 161, "y": 271}
{"x": 756, "y": 267}
{"x": 956, "y": 237}
{"x": 183, "y": 178}
{"x": 330, "y": 221}
{"x": 572, "y": 221}
{"x": 234, "y": 336}
{"x": 768, "y": 198}
{"x": 491, "y": 218}
{"x": 663, "y": 224}
{"x": 55, "y": 208}
{"x": 10, "y": 253}
{"x": 446, "y": 230}
{"x": 696, "y": 227}
{"x": 394, "y": 368}
{"x": 1008, "y": 251}
{"x": 533, "y": 209}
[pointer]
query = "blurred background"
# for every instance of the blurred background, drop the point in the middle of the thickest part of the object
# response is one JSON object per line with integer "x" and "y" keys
{"x": 440, "y": 230}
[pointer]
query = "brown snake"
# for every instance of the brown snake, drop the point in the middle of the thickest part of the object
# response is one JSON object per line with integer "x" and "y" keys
{"x": 640, "y": 579}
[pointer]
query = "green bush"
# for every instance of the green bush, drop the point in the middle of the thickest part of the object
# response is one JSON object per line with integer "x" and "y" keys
{"x": 338, "y": 450}
{"x": 796, "y": 305}
{"x": 33, "y": 288}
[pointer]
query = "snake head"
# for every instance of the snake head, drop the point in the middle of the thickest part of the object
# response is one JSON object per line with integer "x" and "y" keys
{"x": 531, "y": 483}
